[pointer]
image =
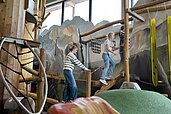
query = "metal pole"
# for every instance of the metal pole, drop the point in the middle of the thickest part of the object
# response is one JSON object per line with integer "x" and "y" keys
{"x": 73, "y": 12}
{"x": 90, "y": 10}
{"x": 62, "y": 15}
{"x": 87, "y": 55}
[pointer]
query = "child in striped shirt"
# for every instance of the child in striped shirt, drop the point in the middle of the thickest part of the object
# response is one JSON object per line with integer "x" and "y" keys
{"x": 70, "y": 91}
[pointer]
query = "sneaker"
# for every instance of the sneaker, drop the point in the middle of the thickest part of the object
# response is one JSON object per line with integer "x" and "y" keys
{"x": 63, "y": 101}
{"x": 70, "y": 101}
{"x": 103, "y": 81}
{"x": 122, "y": 74}
{"x": 108, "y": 77}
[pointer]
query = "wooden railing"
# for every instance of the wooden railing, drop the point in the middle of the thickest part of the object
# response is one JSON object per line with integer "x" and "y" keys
{"x": 54, "y": 75}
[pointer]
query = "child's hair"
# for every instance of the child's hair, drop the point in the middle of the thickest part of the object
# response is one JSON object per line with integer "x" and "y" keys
{"x": 74, "y": 45}
{"x": 111, "y": 33}
{"x": 122, "y": 27}
{"x": 70, "y": 47}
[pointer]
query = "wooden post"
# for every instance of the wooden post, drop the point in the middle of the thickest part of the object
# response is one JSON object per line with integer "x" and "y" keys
{"x": 12, "y": 18}
{"x": 41, "y": 12}
{"x": 103, "y": 26}
{"x": 88, "y": 84}
{"x": 36, "y": 34}
{"x": 33, "y": 95}
{"x": 126, "y": 51}
{"x": 36, "y": 13}
{"x": 35, "y": 7}
{"x": 40, "y": 85}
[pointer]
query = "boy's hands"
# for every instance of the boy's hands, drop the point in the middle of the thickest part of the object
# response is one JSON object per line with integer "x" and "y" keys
{"x": 122, "y": 45}
{"x": 87, "y": 69}
{"x": 113, "y": 52}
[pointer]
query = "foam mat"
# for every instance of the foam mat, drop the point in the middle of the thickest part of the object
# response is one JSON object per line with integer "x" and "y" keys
{"x": 129, "y": 101}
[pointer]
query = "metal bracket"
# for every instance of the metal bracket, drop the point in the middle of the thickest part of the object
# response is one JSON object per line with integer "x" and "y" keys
{"x": 135, "y": 15}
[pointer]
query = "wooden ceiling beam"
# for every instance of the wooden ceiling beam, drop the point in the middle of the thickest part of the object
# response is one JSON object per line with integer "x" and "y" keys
{"x": 148, "y": 5}
{"x": 153, "y": 9}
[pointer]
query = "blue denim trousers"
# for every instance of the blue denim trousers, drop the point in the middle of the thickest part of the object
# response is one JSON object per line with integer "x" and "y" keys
{"x": 109, "y": 66}
{"x": 70, "y": 91}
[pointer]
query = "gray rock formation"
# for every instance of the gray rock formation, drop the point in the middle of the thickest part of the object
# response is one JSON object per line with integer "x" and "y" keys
{"x": 140, "y": 58}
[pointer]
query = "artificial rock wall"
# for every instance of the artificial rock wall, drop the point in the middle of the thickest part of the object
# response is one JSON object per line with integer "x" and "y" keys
{"x": 140, "y": 58}
{"x": 56, "y": 38}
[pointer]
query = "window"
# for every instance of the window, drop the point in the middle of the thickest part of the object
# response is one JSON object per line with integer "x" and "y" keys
{"x": 82, "y": 10}
{"x": 132, "y": 3}
{"x": 109, "y": 10}
{"x": 68, "y": 12}
{"x": 54, "y": 18}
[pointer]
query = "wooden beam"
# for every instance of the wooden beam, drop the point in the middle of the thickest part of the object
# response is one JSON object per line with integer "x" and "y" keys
{"x": 33, "y": 95}
{"x": 97, "y": 38}
{"x": 148, "y": 4}
{"x": 110, "y": 84}
{"x": 88, "y": 83}
{"x": 62, "y": 78}
{"x": 101, "y": 37}
{"x": 40, "y": 23}
{"x": 54, "y": 75}
{"x": 104, "y": 26}
{"x": 43, "y": 8}
{"x": 26, "y": 4}
{"x": 12, "y": 17}
{"x": 35, "y": 7}
{"x": 40, "y": 85}
{"x": 153, "y": 9}
{"x": 50, "y": 73}
{"x": 34, "y": 72}
{"x": 21, "y": 80}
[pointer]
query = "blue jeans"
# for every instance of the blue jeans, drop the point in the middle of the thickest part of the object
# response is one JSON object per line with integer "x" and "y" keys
{"x": 122, "y": 56}
{"x": 70, "y": 91}
{"x": 109, "y": 65}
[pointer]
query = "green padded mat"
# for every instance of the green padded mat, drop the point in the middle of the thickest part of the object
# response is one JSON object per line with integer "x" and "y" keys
{"x": 130, "y": 101}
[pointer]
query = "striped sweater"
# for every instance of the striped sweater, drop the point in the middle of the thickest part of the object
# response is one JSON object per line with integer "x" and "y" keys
{"x": 71, "y": 60}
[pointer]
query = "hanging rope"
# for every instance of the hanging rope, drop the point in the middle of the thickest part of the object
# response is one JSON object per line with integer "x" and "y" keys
{"x": 156, "y": 13}
{"x": 148, "y": 13}
{"x": 165, "y": 9}
{"x": 98, "y": 68}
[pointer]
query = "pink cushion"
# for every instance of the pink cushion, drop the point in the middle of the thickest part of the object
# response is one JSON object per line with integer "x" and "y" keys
{"x": 89, "y": 105}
